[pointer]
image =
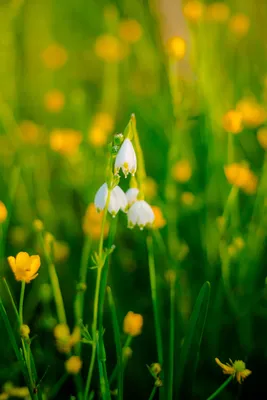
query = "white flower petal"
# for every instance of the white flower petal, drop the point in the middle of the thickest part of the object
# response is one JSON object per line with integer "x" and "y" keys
{"x": 131, "y": 195}
{"x": 114, "y": 203}
{"x": 126, "y": 158}
{"x": 122, "y": 199}
{"x": 141, "y": 214}
{"x": 101, "y": 197}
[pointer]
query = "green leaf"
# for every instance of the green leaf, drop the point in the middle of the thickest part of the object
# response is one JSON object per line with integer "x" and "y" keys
{"x": 190, "y": 350}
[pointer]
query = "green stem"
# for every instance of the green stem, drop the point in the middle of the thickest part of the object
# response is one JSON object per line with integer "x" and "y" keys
{"x": 12, "y": 300}
{"x": 171, "y": 352}
{"x": 115, "y": 370}
{"x": 101, "y": 356}
{"x": 58, "y": 386}
{"x": 141, "y": 175}
{"x": 96, "y": 300}
{"x": 220, "y": 389}
{"x": 22, "y": 292}
{"x": 151, "y": 397}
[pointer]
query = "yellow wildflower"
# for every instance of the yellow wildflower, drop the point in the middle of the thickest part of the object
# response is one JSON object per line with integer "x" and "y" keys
{"x": 24, "y": 331}
{"x": 193, "y": 10}
{"x": 54, "y": 56}
{"x": 237, "y": 369}
{"x": 176, "y": 47}
{"x": 232, "y": 121}
{"x": 54, "y": 100}
{"x": 239, "y": 242}
{"x": 239, "y": 24}
{"x": 132, "y": 324}
{"x": 182, "y": 171}
{"x": 104, "y": 121}
{"x": 253, "y": 114}
{"x": 127, "y": 352}
{"x": 97, "y": 136}
{"x": 217, "y": 12}
{"x": 187, "y": 198}
{"x": 241, "y": 176}
{"x": 65, "y": 141}
{"x": 29, "y": 132}
{"x": 73, "y": 365}
{"x": 3, "y": 212}
{"x": 64, "y": 339}
{"x": 110, "y": 49}
{"x": 155, "y": 368}
{"x": 170, "y": 276}
{"x": 150, "y": 188}
{"x": 24, "y": 267}
{"x": 92, "y": 223}
{"x": 159, "y": 221}
{"x": 38, "y": 225}
{"x": 262, "y": 137}
{"x": 130, "y": 30}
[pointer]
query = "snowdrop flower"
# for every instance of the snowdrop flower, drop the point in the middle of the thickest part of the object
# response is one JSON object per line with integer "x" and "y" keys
{"x": 131, "y": 195}
{"x": 126, "y": 159}
{"x": 141, "y": 214}
{"x": 117, "y": 199}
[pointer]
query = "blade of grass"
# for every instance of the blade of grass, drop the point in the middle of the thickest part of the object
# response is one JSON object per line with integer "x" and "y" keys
{"x": 171, "y": 338}
{"x": 116, "y": 330}
{"x": 103, "y": 377}
{"x": 193, "y": 338}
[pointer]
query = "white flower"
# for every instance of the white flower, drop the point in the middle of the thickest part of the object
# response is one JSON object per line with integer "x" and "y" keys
{"x": 141, "y": 214}
{"x": 131, "y": 195}
{"x": 117, "y": 199}
{"x": 126, "y": 159}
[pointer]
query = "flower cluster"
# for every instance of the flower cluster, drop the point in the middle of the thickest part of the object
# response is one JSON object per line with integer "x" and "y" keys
{"x": 138, "y": 210}
{"x": 64, "y": 339}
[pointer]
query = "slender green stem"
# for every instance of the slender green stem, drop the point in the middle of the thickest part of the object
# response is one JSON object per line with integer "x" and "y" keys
{"x": 220, "y": 389}
{"x": 11, "y": 300}
{"x": 116, "y": 330}
{"x": 171, "y": 348}
{"x": 115, "y": 370}
{"x": 21, "y": 300}
{"x": 56, "y": 388}
{"x": 101, "y": 356}
{"x": 152, "y": 273}
{"x": 96, "y": 300}
{"x": 151, "y": 397}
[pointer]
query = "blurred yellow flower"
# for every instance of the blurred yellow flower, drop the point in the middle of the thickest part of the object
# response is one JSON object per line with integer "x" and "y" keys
{"x": 176, "y": 47}
{"x": 3, "y": 212}
{"x": 132, "y": 324}
{"x": 92, "y": 223}
{"x": 130, "y": 30}
{"x": 239, "y": 24}
{"x": 170, "y": 276}
{"x": 24, "y": 267}
{"x": 253, "y": 114}
{"x": 73, "y": 365}
{"x": 98, "y": 137}
{"x": 187, "y": 198}
{"x": 182, "y": 171}
{"x": 232, "y": 122}
{"x": 65, "y": 141}
{"x": 239, "y": 242}
{"x": 193, "y": 10}
{"x": 64, "y": 339}
{"x": 104, "y": 121}
{"x": 103, "y": 124}
{"x": 241, "y": 176}
{"x": 54, "y": 100}
{"x": 29, "y": 132}
{"x": 54, "y": 56}
{"x": 159, "y": 221}
{"x": 24, "y": 331}
{"x": 38, "y": 225}
{"x": 110, "y": 49}
{"x": 150, "y": 188}
{"x": 262, "y": 137}
{"x": 237, "y": 369}
{"x": 11, "y": 391}
{"x": 217, "y": 12}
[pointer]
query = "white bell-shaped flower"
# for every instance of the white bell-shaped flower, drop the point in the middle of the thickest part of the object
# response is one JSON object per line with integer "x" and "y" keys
{"x": 117, "y": 199}
{"x": 126, "y": 159}
{"x": 131, "y": 195}
{"x": 141, "y": 214}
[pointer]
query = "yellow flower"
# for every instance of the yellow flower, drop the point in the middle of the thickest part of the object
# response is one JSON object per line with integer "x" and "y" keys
{"x": 3, "y": 212}
{"x": 54, "y": 100}
{"x": 159, "y": 221}
{"x": 64, "y": 339}
{"x": 24, "y": 267}
{"x": 193, "y": 10}
{"x": 104, "y": 121}
{"x": 253, "y": 114}
{"x": 239, "y": 24}
{"x": 182, "y": 171}
{"x": 262, "y": 137}
{"x": 24, "y": 331}
{"x": 29, "y": 132}
{"x": 232, "y": 121}
{"x": 132, "y": 324}
{"x": 187, "y": 198}
{"x": 217, "y": 12}
{"x": 237, "y": 369}
{"x": 110, "y": 49}
{"x": 65, "y": 141}
{"x": 241, "y": 176}
{"x": 54, "y": 56}
{"x": 92, "y": 223}
{"x": 150, "y": 188}
{"x": 130, "y": 30}
{"x": 176, "y": 47}
{"x": 97, "y": 136}
{"x": 73, "y": 365}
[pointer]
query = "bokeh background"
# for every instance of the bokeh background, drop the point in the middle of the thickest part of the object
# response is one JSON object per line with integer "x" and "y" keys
{"x": 72, "y": 73}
